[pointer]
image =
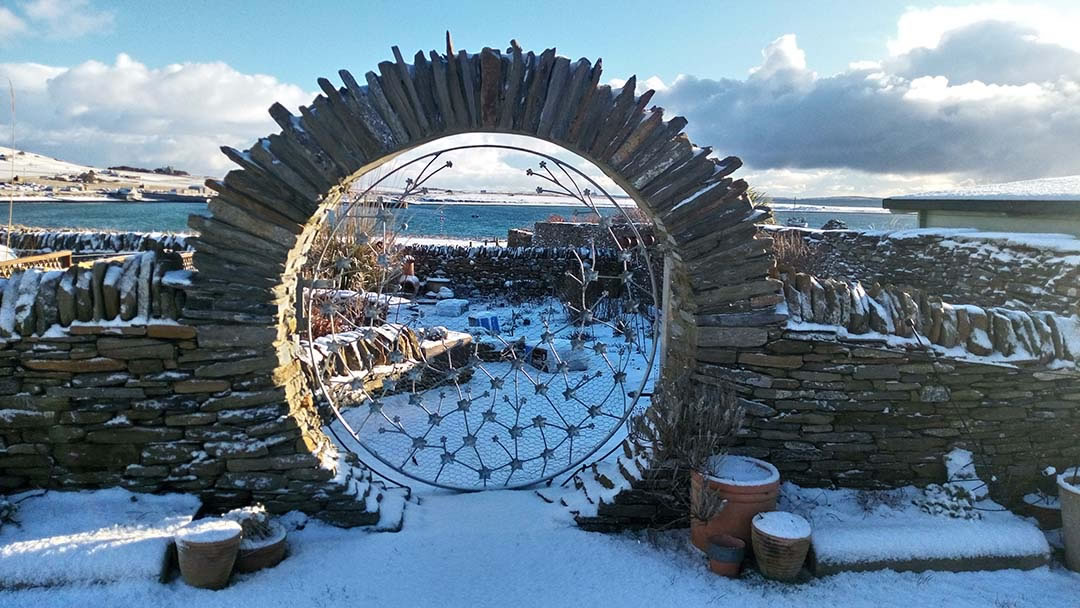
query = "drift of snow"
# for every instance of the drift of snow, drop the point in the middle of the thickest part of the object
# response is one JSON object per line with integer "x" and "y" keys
{"x": 888, "y": 526}
{"x": 491, "y": 549}
{"x": 89, "y": 537}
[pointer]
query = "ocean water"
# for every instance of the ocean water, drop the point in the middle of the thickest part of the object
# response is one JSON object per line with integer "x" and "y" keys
{"x": 461, "y": 221}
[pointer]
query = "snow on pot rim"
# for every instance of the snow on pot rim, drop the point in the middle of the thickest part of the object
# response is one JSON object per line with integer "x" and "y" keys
{"x": 782, "y": 524}
{"x": 209, "y": 530}
{"x": 277, "y": 535}
{"x": 735, "y": 470}
{"x": 1064, "y": 483}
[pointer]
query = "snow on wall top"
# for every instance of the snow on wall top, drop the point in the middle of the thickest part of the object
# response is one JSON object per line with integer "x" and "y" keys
{"x": 1048, "y": 189}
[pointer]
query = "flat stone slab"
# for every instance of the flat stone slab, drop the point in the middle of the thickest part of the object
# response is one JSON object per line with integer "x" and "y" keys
{"x": 90, "y": 537}
{"x": 950, "y": 545}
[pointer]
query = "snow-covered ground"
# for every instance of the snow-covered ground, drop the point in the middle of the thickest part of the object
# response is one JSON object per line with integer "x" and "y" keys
{"x": 1047, "y": 189}
{"x": 509, "y": 548}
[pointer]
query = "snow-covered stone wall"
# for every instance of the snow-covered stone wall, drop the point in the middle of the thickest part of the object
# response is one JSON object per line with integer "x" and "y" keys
{"x": 43, "y": 240}
{"x": 1029, "y": 272}
{"x": 897, "y": 315}
{"x": 116, "y": 292}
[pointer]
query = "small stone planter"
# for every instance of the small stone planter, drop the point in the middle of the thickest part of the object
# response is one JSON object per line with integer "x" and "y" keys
{"x": 1069, "y": 496}
{"x": 726, "y": 555}
{"x": 781, "y": 542}
{"x": 206, "y": 550}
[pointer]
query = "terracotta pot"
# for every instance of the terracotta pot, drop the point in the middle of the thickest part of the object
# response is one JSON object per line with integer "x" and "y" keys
{"x": 207, "y": 564}
{"x": 780, "y": 556}
{"x": 1069, "y": 495}
{"x": 726, "y": 555}
{"x": 1047, "y": 513}
{"x": 744, "y": 501}
{"x": 266, "y": 555}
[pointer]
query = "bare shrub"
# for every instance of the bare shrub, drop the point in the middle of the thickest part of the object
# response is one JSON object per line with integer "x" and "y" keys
{"x": 689, "y": 423}
{"x": 793, "y": 253}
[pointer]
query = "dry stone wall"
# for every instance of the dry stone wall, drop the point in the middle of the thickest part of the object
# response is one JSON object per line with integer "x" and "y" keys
{"x": 514, "y": 273}
{"x": 1006, "y": 334}
{"x": 30, "y": 240}
{"x": 132, "y": 290}
{"x": 1018, "y": 271}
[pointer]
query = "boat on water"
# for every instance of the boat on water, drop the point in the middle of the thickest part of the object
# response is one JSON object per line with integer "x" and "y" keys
{"x": 797, "y": 221}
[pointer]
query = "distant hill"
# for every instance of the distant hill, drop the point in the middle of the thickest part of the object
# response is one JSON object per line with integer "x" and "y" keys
{"x": 32, "y": 167}
{"x": 831, "y": 201}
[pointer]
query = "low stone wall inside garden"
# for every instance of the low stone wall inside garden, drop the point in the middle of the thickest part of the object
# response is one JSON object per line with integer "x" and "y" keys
{"x": 515, "y": 273}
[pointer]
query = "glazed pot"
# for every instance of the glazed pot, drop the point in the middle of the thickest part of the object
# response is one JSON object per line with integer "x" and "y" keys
{"x": 726, "y": 555}
{"x": 750, "y": 486}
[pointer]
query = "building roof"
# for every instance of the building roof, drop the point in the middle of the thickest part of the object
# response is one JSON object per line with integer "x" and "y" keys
{"x": 1034, "y": 196}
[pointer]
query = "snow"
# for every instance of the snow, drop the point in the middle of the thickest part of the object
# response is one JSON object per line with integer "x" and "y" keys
{"x": 89, "y": 537}
{"x": 736, "y": 470}
{"x": 960, "y": 471}
{"x": 850, "y": 528}
{"x": 209, "y": 530}
{"x": 1049, "y": 189}
{"x": 1067, "y": 481}
{"x": 782, "y": 524}
{"x": 492, "y": 549}
{"x": 452, "y": 307}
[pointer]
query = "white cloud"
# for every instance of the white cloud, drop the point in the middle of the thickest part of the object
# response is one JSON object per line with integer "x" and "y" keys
{"x": 984, "y": 93}
{"x": 926, "y": 28}
{"x": 10, "y": 24}
{"x": 129, "y": 113}
{"x": 66, "y": 19}
{"x": 984, "y": 100}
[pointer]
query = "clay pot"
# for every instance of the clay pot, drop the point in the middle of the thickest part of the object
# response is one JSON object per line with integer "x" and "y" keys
{"x": 1046, "y": 511}
{"x": 1069, "y": 495}
{"x": 265, "y": 555}
{"x": 745, "y": 499}
{"x": 726, "y": 555}
{"x": 206, "y": 550}
{"x": 780, "y": 550}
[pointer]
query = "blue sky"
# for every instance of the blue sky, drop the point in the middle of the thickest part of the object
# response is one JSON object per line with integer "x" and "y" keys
{"x": 818, "y": 98}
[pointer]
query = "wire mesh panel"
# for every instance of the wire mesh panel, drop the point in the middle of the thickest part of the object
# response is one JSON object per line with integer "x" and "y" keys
{"x": 507, "y": 396}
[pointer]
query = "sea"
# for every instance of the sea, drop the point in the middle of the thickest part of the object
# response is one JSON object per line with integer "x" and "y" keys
{"x": 455, "y": 220}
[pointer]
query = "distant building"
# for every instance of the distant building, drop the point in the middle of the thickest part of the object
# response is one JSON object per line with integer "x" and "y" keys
{"x": 1038, "y": 205}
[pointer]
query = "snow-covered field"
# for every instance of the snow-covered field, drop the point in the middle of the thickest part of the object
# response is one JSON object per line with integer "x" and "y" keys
{"x": 509, "y": 548}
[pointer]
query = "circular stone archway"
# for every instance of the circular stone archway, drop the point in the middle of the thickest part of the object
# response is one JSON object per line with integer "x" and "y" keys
{"x": 267, "y": 212}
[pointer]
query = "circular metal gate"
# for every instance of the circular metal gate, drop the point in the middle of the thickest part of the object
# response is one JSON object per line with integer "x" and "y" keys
{"x": 507, "y": 403}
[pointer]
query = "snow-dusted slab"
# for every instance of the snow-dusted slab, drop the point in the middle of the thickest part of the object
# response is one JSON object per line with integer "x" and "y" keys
{"x": 90, "y": 537}
{"x": 952, "y": 545}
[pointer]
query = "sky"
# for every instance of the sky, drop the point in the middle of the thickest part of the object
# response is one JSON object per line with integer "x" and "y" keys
{"x": 831, "y": 98}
